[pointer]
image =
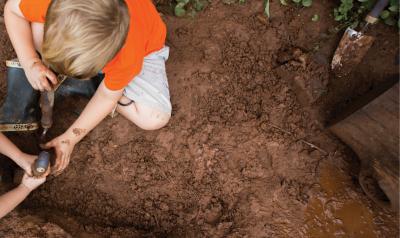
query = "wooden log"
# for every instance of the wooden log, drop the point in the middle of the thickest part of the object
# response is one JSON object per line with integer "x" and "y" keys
{"x": 373, "y": 133}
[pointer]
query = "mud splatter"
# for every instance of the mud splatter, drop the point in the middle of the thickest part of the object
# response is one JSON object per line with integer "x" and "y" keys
{"x": 78, "y": 131}
{"x": 67, "y": 142}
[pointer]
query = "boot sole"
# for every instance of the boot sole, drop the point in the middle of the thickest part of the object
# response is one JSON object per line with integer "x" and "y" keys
{"x": 19, "y": 127}
{"x": 13, "y": 64}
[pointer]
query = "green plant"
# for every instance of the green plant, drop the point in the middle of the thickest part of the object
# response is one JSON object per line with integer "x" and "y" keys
{"x": 229, "y": 2}
{"x": 266, "y": 8}
{"x": 390, "y": 15}
{"x": 304, "y": 3}
{"x": 315, "y": 18}
{"x": 342, "y": 12}
{"x": 183, "y": 7}
{"x": 349, "y": 12}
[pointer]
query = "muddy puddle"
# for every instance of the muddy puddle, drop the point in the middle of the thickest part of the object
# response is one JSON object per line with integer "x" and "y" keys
{"x": 336, "y": 213}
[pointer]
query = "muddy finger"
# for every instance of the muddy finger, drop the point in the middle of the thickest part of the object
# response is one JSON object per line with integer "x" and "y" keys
{"x": 45, "y": 83}
{"x": 51, "y": 76}
{"x": 58, "y": 163}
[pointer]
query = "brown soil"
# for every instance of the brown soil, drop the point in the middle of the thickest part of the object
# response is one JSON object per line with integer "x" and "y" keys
{"x": 245, "y": 153}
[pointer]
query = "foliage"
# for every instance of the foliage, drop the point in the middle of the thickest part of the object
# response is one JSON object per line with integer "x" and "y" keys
{"x": 315, "y": 18}
{"x": 266, "y": 8}
{"x": 349, "y": 12}
{"x": 184, "y": 7}
{"x": 304, "y": 3}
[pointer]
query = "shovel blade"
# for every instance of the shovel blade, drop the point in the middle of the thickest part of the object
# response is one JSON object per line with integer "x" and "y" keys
{"x": 351, "y": 50}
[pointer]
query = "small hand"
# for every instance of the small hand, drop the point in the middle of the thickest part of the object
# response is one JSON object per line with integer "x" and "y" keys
{"x": 39, "y": 76}
{"x": 63, "y": 147}
{"x": 25, "y": 161}
{"x": 31, "y": 183}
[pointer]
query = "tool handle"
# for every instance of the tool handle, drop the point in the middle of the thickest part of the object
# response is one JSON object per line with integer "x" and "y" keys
{"x": 373, "y": 16}
{"x": 41, "y": 164}
{"x": 46, "y": 106}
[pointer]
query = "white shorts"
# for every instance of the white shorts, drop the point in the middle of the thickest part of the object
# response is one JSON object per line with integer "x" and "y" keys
{"x": 150, "y": 87}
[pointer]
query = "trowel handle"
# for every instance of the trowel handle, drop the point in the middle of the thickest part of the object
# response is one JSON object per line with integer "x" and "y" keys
{"x": 41, "y": 164}
{"x": 46, "y": 105}
{"x": 373, "y": 16}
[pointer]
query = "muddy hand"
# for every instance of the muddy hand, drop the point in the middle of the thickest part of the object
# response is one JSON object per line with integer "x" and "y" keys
{"x": 63, "y": 147}
{"x": 39, "y": 76}
{"x": 26, "y": 161}
{"x": 31, "y": 183}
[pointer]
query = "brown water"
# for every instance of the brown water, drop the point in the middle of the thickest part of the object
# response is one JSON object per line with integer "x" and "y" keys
{"x": 336, "y": 214}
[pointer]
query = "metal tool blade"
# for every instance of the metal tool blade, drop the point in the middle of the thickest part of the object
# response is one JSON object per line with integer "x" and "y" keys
{"x": 351, "y": 50}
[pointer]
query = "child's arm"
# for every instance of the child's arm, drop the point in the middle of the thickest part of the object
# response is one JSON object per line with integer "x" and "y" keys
{"x": 101, "y": 104}
{"x": 11, "y": 199}
{"x": 23, "y": 160}
{"x": 20, "y": 33}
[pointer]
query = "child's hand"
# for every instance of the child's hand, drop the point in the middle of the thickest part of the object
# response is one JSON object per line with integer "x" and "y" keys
{"x": 25, "y": 161}
{"x": 39, "y": 76}
{"x": 63, "y": 146}
{"x": 31, "y": 183}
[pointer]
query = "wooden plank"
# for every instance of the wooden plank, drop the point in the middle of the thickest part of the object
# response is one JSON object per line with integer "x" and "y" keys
{"x": 373, "y": 133}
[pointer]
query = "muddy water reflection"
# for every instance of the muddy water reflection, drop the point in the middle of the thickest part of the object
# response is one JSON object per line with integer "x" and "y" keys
{"x": 337, "y": 213}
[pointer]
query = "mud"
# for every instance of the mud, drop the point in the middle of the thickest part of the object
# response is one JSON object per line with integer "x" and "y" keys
{"x": 245, "y": 154}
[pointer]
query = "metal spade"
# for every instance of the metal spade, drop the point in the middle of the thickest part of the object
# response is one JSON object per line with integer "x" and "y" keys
{"x": 354, "y": 44}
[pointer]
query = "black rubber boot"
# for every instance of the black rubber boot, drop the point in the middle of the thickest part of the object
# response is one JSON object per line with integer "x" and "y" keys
{"x": 79, "y": 87}
{"x": 20, "y": 108}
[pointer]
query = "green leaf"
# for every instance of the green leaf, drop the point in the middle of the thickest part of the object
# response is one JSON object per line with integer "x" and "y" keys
{"x": 266, "y": 9}
{"x": 283, "y": 2}
{"x": 198, "y": 5}
{"x": 315, "y": 18}
{"x": 184, "y": 2}
{"x": 363, "y": 0}
{"x": 296, "y": 1}
{"x": 192, "y": 13}
{"x": 385, "y": 14}
{"x": 390, "y": 21}
{"x": 242, "y": 1}
{"x": 229, "y": 2}
{"x": 179, "y": 10}
{"x": 307, "y": 3}
{"x": 338, "y": 17}
{"x": 394, "y": 8}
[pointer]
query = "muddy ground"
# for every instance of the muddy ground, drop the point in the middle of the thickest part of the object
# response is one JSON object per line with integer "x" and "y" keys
{"x": 246, "y": 153}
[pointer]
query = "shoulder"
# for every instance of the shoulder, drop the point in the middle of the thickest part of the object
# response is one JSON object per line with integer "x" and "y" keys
{"x": 34, "y": 10}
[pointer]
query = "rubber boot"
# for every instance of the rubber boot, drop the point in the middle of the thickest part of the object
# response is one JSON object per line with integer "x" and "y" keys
{"x": 79, "y": 87}
{"x": 19, "y": 111}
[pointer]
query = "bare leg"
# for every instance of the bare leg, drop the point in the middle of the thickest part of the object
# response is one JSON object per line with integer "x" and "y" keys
{"x": 143, "y": 116}
{"x": 37, "y": 33}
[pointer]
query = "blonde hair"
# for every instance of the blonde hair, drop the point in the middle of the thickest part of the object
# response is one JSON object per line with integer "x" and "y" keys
{"x": 82, "y": 36}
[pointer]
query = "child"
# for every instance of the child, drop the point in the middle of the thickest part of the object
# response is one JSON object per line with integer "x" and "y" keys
{"x": 122, "y": 38}
{"x": 11, "y": 199}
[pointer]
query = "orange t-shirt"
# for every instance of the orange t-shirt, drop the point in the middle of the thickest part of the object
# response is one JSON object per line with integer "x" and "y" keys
{"x": 146, "y": 34}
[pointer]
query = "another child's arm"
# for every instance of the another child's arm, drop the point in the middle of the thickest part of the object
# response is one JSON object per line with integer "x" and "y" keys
{"x": 11, "y": 199}
{"x": 22, "y": 159}
{"x": 20, "y": 33}
{"x": 101, "y": 104}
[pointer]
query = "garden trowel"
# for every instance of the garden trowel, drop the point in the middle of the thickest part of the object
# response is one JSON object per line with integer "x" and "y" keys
{"x": 354, "y": 44}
